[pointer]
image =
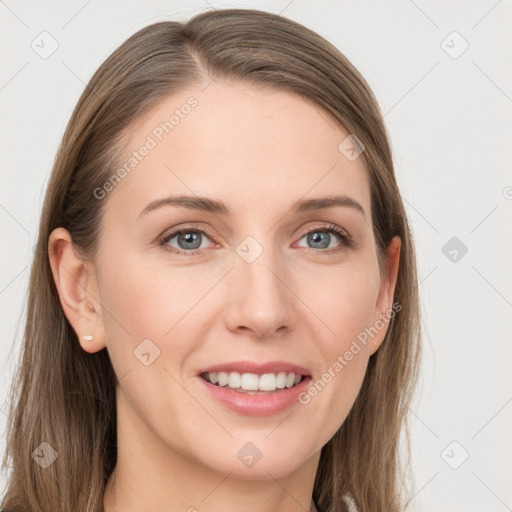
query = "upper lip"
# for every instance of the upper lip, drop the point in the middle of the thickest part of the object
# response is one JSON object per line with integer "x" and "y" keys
{"x": 256, "y": 367}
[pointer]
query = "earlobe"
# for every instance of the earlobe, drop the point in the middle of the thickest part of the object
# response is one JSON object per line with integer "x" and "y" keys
{"x": 77, "y": 290}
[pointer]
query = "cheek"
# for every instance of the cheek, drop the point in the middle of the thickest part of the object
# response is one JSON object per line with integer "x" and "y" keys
{"x": 157, "y": 303}
{"x": 347, "y": 307}
{"x": 150, "y": 299}
{"x": 345, "y": 300}
{"x": 352, "y": 313}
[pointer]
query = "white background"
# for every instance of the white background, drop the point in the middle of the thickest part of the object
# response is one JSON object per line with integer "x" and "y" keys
{"x": 450, "y": 128}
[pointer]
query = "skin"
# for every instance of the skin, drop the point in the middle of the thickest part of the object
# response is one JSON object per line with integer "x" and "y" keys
{"x": 258, "y": 151}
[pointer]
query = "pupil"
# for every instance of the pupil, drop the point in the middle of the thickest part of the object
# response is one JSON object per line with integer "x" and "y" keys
{"x": 316, "y": 238}
{"x": 190, "y": 238}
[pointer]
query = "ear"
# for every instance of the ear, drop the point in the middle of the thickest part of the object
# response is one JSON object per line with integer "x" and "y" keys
{"x": 384, "y": 310}
{"x": 75, "y": 281}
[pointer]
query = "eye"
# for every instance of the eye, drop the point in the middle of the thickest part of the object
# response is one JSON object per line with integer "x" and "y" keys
{"x": 190, "y": 240}
{"x": 321, "y": 237}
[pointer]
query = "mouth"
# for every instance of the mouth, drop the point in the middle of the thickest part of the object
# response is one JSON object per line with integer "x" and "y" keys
{"x": 253, "y": 383}
{"x": 255, "y": 389}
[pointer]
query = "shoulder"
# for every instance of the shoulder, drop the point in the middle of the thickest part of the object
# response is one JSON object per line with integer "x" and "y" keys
{"x": 349, "y": 502}
{"x": 351, "y": 506}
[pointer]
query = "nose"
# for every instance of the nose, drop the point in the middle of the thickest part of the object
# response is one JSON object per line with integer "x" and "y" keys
{"x": 261, "y": 302}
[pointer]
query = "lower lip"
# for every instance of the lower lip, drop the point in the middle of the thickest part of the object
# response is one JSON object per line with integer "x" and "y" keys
{"x": 264, "y": 404}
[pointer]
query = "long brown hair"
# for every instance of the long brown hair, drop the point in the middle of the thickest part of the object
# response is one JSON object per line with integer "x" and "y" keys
{"x": 64, "y": 396}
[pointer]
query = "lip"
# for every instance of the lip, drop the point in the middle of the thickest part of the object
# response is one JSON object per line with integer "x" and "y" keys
{"x": 256, "y": 405}
{"x": 257, "y": 368}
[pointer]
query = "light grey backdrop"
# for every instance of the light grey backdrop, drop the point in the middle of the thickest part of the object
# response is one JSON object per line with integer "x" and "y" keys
{"x": 442, "y": 74}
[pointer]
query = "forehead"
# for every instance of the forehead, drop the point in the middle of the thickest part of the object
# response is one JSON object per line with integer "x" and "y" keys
{"x": 258, "y": 148}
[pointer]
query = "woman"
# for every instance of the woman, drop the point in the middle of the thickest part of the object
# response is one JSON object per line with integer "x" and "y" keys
{"x": 223, "y": 308}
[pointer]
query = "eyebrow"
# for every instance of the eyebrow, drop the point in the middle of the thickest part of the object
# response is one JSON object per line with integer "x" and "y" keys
{"x": 218, "y": 207}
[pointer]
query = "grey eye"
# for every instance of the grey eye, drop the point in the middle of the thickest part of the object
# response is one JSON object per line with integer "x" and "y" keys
{"x": 322, "y": 238}
{"x": 319, "y": 240}
{"x": 187, "y": 240}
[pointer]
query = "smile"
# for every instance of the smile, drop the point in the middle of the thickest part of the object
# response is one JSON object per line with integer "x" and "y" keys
{"x": 253, "y": 383}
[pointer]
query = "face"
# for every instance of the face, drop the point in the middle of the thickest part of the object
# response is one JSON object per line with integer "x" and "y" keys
{"x": 257, "y": 278}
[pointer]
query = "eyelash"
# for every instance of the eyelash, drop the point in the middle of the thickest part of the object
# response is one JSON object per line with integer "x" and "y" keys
{"x": 346, "y": 240}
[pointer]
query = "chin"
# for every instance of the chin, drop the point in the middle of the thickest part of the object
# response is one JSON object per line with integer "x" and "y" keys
{"x": 260, "y": 459}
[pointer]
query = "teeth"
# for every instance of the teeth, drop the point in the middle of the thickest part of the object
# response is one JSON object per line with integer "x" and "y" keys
{"x": 281, "y": 380}
{"x": 252, "y": 381}
{"x": 223, "y": 379}
{"x": 247, "y": 381}
{"x": 234, "y": 380}
{"x": 267, "y": 382}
